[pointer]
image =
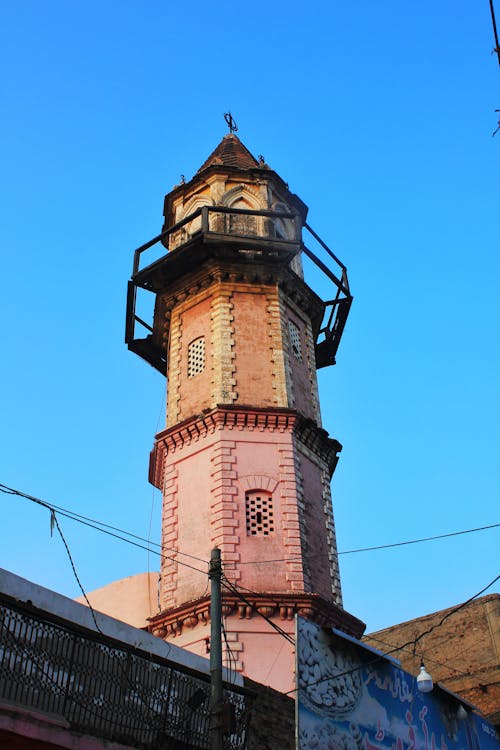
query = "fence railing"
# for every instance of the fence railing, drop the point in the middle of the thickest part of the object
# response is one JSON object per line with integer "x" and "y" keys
{"x": 105, "y": 690}
{"x": 237, "y": 223}
{"x": 253, "y": 235}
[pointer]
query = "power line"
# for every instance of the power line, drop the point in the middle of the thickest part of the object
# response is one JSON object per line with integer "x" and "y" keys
{"x": 52, "y": 508}
{"x": 232, "y": 587}
{"x": 378, "y": 547}
{"x": 53, "y": 519}
{"x": 90, "y": 521}
{"x": 369, "y": 637}
{"x": 134, "y": 686}
{"x": 408, "y": 643}
{"x": 78, "y": 517}
{"x": 423, "y": 539}
{"x": 495, "y": 33}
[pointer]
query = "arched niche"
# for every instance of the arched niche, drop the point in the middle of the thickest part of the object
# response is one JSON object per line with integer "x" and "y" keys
{"x": 247, "y": 198}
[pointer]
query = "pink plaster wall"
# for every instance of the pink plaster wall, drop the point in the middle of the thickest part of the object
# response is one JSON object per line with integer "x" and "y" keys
{"x": 258, "y": 461}
{"x": 316, "y": 540}
{"x": 204, "y": 506}
{"x": 186, "y": 525}
{"x": 258, "y": 651}
{"x": 132, "y": 600}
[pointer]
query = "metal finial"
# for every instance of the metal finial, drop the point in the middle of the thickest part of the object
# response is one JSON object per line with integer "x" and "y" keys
{"x": 261, "y": 159}
{"x": 183, "y": 179}
{"x": 230, "y": 122}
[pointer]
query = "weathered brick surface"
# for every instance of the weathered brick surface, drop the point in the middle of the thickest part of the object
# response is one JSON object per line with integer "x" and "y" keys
{"x": 463, "y": 653}
{"x": 272, "y": 719}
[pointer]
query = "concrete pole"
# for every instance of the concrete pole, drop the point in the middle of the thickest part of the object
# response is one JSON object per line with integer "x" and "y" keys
{"x": 216, "y": 697}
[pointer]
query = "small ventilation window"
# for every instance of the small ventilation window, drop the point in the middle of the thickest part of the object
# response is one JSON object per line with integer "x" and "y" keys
{"x": 294, "y": 334}
{"x": 196, "y": 357}
{"x": 259, "y": 513}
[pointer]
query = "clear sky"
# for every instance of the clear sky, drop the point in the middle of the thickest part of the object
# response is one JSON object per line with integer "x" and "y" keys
{"x": 380, "y": 117}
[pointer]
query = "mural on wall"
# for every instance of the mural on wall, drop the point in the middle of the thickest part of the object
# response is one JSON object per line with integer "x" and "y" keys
{"x": 350, "y": 697}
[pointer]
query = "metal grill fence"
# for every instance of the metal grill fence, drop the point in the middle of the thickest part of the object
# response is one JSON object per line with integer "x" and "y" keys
{"x": 105, "y": 690}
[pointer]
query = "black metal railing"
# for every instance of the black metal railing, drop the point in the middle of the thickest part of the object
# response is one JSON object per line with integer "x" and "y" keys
{"x": 336, "y": 309}
{"x": 105, "y": 690}
{"x": 259, "y": 235}
{"x": 234, "y": 223}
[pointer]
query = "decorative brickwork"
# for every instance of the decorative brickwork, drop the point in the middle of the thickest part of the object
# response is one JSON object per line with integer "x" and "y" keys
{"x": 311, "y": 366}
{"x": 331, "y": 538}
{"x": 283, "y": 312}
{"x": 174, "y": 372}
{"x": 281, "y": 608}
{"x": 303, "y": 561}
{"x": 274, "y": 323}
{"x": 258, "y": 482}
{"x": 223, "y": 346}
{"x": 232, "y": 650}
{"x": 290, "y": 500}
{"x": 300, "y": 371}
{"x": 169, "y": 564}
{"x": 322, "y": 512}
{"x": 223, "y": 505}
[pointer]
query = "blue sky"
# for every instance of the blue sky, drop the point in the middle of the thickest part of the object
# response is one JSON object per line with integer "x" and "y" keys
{"x": 379, "y": 116}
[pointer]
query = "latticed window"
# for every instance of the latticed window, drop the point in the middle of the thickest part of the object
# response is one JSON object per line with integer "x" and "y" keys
{"x": 196, "y": 356}
{"x": 294, "y": 334}
{"x": 259, "y": 513}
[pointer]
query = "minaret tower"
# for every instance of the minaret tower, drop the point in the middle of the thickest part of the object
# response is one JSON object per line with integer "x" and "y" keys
{"x": 243, "y": 463}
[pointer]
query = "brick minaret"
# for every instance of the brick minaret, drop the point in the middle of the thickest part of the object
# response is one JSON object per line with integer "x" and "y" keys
{"x": 243, "y": 463}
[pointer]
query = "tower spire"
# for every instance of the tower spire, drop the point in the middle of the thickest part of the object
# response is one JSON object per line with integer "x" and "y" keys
{"x": 230, "y": 122}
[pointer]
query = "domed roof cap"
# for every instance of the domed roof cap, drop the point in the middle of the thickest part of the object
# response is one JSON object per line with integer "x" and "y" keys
{"x": 230, "y": 153}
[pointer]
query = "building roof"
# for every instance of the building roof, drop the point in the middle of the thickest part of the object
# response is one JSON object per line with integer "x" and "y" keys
{"x": 230, "y": 153}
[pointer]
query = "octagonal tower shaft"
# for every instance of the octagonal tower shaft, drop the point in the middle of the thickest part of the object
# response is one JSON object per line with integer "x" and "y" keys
{"x": 243, "y": 463}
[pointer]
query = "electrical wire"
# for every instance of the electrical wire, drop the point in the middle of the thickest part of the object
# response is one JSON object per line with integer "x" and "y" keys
{"x": 372, "y": 549}
{"x": 80, "y": 519}
{"x": 53, "y": 519}
{"x": 230, "y": 656}
{"x": 412, "y": 642}
{"x": 369, "y": 638}
{"x": 235, "y": 590}
{"x": 134, "y": 686}
{"x": 495, "y": 33}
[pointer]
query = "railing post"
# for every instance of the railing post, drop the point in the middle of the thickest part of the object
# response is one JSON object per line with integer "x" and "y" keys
{"x": 298, "y": 228}
{"x": 135, "y": 267}
{"x": 204, "y": 219}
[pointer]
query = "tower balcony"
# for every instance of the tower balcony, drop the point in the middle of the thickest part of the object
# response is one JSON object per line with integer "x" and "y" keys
{"x": 243, "y": 237}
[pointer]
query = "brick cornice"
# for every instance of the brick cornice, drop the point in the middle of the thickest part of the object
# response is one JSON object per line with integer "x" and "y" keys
{"x": 312, "y": 437}
{"x": 276, "y": 606}
{"x": 217, "y": 270}
{"x": 222, "y": 417}
{"x": 317, "y": 440}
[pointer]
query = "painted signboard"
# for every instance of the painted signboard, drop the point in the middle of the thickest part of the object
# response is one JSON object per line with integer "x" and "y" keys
{"x": 351, "y": 697}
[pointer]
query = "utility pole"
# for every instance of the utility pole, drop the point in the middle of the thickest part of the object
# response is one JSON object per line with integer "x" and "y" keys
{"x": 216, "y": 723}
